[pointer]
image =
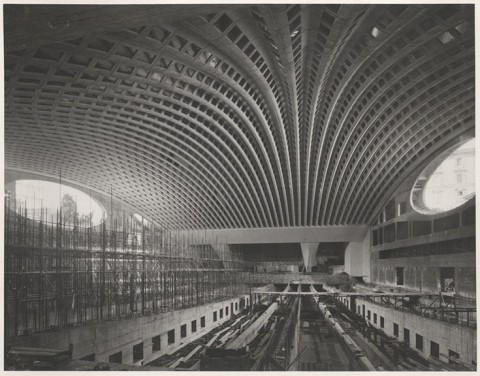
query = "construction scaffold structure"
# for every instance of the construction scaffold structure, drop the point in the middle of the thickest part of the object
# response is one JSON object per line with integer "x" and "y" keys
{"x": 60, "y": 273}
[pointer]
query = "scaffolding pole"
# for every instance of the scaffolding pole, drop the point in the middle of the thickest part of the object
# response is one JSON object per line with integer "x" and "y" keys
{"x": 62, "y": 273}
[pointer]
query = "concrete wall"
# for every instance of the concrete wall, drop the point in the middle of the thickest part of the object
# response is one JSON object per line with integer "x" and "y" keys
{"x": 290, "y": 252}
{"x": 422, "y": 255}
{"x": 458, "y": 338}
{"x": 423, "y": 273}
{"x": 273, "y": 258}
{"x": 357, "y": 258}
{"x": 287, "y": 258}
{"x": 107, "y": 338}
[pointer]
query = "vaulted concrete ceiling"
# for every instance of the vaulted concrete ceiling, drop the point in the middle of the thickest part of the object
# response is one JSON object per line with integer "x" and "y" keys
{"x": 221, "y": 116}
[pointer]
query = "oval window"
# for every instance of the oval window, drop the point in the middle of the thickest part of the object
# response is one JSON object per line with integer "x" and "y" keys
{"x": 447, "y": 182}
{"x": 41, "y": 199}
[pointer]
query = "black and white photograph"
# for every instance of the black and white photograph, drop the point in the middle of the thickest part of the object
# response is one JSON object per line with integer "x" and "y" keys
{"x": 237, "y": 186}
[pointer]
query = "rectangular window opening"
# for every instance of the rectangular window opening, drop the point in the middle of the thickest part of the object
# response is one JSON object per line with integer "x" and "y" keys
{"x": 419, "y": 342}
{"x": 194, "y": 326}
{"x": 434, "y": 350}
{"x": 202, "y": 322}
{"x": 156, "y": 343}
{"x": 171, "y": 336}
{"x": 400, "y": 273}
{"x": 402, "y": 208}
{"x": 406, "y": 335}
{"x": 183, "y": 331}
{"x": 115, "y": 358}
{"x": 137, "y": 352}
{"x": 452, "y": 355}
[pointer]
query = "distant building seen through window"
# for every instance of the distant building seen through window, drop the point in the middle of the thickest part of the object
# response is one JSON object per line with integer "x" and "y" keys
{"x": 448, "y": 182}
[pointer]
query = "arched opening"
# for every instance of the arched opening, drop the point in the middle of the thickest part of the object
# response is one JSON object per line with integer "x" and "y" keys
{"x": 42, "y": 200}
{"x": 447, "y": 182}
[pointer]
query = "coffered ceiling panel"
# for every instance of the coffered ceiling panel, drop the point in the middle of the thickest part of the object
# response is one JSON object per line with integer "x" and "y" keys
{"x": 241, "y": 116}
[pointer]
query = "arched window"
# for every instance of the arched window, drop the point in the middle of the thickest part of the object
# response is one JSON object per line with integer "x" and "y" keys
{"x": 41, "y": 200}
{"x": 447, "y": 182}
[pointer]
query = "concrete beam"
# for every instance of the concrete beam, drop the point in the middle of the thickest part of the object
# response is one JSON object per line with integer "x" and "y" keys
{"x": 318, "y": 234}
{"x": 251, "y": 332}
{"x": 31, "y": 25}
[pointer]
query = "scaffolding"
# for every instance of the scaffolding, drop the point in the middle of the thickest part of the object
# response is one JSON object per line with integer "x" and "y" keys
{"x": 59, "y": 275}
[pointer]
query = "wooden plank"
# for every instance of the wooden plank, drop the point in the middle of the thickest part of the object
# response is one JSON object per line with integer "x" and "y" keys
{"x": 345, "y": 317}
{"x": 176, "y": 363}
{"x": 244, "y": 324}
{"x": 233, "y": 336}
{"x": 421, "y": 367}
{"x": 248, "y": 334}
{"x": 212, "y": 340}
{"x": 238, "y": 320}
{"x": 225, "y": 337}
{"x": 223, "y": 330}
{"x": 193, "y": 352}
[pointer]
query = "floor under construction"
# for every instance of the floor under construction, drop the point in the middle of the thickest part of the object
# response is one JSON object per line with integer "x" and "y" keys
{"x": 289, "y": 327}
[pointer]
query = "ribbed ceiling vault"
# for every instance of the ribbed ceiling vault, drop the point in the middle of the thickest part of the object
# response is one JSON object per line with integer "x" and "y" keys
{"x": 237, "y": 116}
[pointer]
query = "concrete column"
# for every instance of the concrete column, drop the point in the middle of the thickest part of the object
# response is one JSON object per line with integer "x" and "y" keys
{"x": 357, "y": 258}
{"x": 309, "y": 253}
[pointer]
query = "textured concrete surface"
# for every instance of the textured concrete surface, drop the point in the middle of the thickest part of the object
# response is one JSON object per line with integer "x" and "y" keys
{"x": 458, "y": 338}
{"x": 106, "y": 338}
